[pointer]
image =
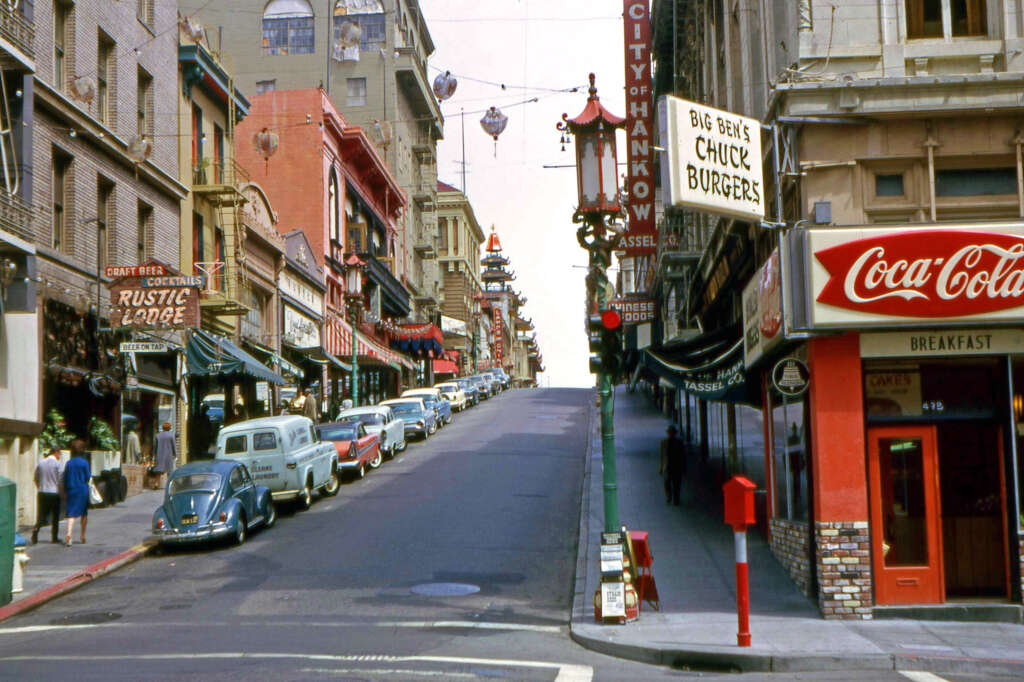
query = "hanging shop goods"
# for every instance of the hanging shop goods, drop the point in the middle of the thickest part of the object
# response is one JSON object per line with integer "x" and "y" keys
{"x": 83, "y": 88}
{"x": 444, "y": 86}
{"x": 265, "y": 142}
{"x": 155, "y": 302}
{"x": 348, "y": 35}
{"x": 494, "y": 123}
{"x": 711, "y": 160}
{"x": 641, "y": 236}
{"x": 139, "y": 149}
{"x": 382, "y": 132}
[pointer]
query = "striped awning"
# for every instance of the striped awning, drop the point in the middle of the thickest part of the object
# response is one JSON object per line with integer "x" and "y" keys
{"x": 338, "y": 336}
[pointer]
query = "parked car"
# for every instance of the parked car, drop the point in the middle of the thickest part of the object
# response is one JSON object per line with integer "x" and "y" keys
{"x": 504, "y": 379}
{"x": 490, "y": 384}
{"x": 433, "y": 398}
{"x": 380, "y": 420}
{"x": 212, "y": 499}
{"x": 214, "y": 403}
{"x": 470, "y": 389}
{"x": 419, "y": 419}
{"x": 482, "y": 387}
{"x": 453, "y": 393}
{"x": 285, "y": 454}
{"x": 357, "y": 448}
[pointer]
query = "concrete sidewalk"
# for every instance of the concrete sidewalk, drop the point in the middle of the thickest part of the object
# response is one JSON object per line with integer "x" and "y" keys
{"x": 116, "y": 535}
{"x": 693, "y": 565}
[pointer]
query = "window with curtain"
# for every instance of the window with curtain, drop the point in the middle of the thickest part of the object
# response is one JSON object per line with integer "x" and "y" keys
{"x": 332, "y": 208}
{"x": 144, "y": 104}
{"x": 355, "y": 92}
{"x": 198, "y": 250}
{"x": 925, "y": 18}
{"x": 105, "y": 73}
{"x": 61, "y": 171}
{"x": 143, "y": 230}
{"x": 288, "y": 28}
{"x": 104, "y": 210}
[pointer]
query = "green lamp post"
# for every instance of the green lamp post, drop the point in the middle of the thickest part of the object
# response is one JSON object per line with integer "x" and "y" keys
{"x": 354, "y": 298}
{"x": 599, "y": 205}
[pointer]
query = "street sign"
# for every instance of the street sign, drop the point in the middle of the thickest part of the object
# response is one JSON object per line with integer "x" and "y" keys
{"x": 143, "y": 347}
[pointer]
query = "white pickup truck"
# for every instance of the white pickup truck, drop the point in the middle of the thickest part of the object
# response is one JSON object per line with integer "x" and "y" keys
{"x": 284, "y": 454}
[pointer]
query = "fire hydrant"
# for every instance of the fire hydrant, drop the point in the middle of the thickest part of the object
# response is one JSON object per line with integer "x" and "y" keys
{"x": 20, "y": 559}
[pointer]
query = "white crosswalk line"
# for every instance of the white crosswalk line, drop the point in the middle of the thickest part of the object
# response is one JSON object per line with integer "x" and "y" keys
{"x": 922, "y": 676}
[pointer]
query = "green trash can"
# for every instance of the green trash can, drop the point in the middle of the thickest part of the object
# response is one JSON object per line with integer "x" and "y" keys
{"x": 8, "y": 514}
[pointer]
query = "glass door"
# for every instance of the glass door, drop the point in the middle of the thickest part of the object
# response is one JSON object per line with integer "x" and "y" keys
{"x": 905, "y": 523}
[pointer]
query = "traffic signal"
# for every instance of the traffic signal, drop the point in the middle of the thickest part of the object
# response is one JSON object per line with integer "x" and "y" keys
{"x": 604, "y": 331}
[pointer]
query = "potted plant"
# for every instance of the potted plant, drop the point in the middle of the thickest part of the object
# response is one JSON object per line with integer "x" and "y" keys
{"x": 55, "y": 434}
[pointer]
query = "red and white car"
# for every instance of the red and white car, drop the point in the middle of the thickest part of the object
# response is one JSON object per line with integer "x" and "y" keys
{"x": 357, "y": 448}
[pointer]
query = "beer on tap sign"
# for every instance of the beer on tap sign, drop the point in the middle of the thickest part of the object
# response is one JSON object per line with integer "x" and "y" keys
{"x": 641, "y": 237}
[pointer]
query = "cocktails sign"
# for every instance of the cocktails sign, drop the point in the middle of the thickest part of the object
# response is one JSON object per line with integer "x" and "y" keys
{"x": 154, "y": 297}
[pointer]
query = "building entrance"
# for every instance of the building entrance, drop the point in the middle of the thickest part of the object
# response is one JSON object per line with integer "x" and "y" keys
{"x": 973, "y": 523}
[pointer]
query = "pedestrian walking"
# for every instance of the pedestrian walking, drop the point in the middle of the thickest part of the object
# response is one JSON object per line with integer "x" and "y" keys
{"x": 77, "y": 475}
{"x": 48, "y": 486}
{"x": 309, "y": 407}
{"x": 166, "y": 453}
{"x": 672, "y": 465}
{"x": 133, "y": 447}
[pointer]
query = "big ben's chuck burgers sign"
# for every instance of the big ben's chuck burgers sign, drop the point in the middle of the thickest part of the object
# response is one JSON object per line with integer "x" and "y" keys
{"x": 155, "y": 301}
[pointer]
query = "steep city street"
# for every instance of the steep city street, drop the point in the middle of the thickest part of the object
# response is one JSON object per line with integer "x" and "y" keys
{"x": 457, "y": 558}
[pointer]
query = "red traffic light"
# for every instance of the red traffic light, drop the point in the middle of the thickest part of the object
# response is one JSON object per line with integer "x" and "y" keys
{"x": 610, "y": 319}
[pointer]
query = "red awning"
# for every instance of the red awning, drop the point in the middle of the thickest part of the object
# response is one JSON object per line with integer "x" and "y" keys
{"x": 445, "y": 367}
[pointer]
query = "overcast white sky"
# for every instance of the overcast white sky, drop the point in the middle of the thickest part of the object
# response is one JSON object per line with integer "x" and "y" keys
{"x": 542, "y": 45}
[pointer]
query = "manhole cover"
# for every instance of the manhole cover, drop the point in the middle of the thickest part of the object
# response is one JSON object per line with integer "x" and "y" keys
{"x": 86, "y": 618}
{"x": 444, "y": 589}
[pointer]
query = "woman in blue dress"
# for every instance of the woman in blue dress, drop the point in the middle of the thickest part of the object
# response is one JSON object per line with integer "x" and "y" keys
{"x": 76, "y": 489}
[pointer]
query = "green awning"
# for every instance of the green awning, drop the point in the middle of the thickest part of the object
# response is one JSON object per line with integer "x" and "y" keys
{"x": 211, "y": 355}
{"x": 718, "y": 376}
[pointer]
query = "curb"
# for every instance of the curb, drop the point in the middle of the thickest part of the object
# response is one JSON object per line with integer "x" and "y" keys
{"x": 725, "y": 660}
{"x": 73, "y": 582}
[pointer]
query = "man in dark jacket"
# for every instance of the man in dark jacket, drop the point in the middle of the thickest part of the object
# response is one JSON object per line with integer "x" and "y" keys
{"x": 672, "y": 465}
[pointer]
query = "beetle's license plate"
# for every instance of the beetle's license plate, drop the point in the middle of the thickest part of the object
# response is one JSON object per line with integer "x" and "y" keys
{"x": 189, "y": 518}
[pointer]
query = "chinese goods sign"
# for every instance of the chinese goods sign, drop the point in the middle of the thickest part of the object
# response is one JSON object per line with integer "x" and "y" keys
{"x": 884, "y": 276}
{"x": 712, "y": 160}
{"x": 641, "y": 237}
{"x": 635, "y": 310}
{"x": 154, "y": 301}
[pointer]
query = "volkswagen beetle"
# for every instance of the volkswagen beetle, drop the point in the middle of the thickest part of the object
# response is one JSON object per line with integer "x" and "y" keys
{"x": 212, "y": 499}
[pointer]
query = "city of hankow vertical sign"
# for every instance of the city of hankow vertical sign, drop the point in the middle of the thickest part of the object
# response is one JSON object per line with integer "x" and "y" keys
{"x": 712, "y": 160}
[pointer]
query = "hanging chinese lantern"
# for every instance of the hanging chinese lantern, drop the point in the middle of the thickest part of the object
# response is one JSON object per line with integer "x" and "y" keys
{"x": 192, "y": 28}
{"x": 83, "y": 88}
{"x": 494, "y": 123}
{"x": 382, "y": 131}
{"x": 444, "y": 86}
{"x": 139, "y": 149}
{"x": 265, "y": 143}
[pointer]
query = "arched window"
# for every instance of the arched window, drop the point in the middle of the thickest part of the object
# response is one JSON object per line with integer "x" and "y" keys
{"x": 288, "y": 27}
{"x": 369, "y": 14}
{"x": 332, "y": 200}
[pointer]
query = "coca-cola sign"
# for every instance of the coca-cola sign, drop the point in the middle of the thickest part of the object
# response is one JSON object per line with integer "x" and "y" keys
{"x": 930, "y": 274}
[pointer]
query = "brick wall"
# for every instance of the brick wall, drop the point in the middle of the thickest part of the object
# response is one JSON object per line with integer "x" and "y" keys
{"x": 789, "y": 545}
{"x": 844, "y": 569}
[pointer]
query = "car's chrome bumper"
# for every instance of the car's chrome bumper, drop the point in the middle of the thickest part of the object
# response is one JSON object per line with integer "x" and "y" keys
{"x": 197, "y": 534}
{"x": 285, "y": 494}
{"x": 348, "y": 464}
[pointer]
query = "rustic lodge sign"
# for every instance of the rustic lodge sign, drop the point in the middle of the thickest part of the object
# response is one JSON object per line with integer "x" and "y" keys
{"x": 154, "y": 298}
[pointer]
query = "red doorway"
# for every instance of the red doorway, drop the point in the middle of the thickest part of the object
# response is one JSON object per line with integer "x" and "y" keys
{"x": 906, "y": 533}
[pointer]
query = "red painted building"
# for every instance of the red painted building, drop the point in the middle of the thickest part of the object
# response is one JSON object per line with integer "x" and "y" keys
{"x": 327, "y": 178}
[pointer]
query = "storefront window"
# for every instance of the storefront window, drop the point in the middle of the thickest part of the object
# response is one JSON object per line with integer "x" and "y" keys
{"x": 1018, "y": 432}
{"x": 789, "y": 458}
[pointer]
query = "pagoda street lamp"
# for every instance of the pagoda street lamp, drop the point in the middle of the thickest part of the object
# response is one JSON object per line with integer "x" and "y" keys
{"x": 477, "y": 301}
{"x": 598, "y": 208}
{"x": 354, "y": 299}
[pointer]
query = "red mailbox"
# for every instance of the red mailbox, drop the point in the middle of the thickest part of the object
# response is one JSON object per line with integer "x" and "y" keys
{"x": 739, "y": 502}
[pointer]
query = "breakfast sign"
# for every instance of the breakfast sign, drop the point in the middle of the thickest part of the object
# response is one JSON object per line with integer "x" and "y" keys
{"x": 153, "y": 296}
{"x": 888, "y": 277}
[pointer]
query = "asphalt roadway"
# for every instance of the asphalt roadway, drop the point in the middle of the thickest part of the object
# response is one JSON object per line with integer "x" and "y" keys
{"x": 454, "y": 561}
